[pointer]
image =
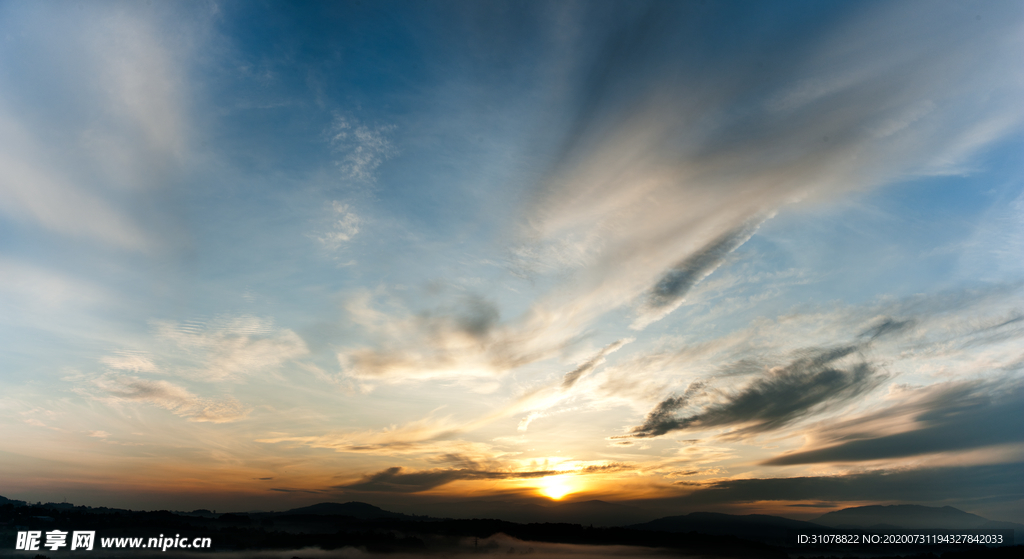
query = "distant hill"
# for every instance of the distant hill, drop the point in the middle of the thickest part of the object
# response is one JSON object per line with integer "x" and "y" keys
{"x": 362, "y": 511}
{"x": 904, "y": 516}
{"x": 6, "y": 501}
{"x": 760, "y": 527}
{"x": 584, "y": 513}
{"x": 879, "y": 518}
{"x": 598, "y": 513}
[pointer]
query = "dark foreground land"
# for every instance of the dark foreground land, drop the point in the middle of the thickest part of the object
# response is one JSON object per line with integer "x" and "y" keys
{"x": 357, "y": 530}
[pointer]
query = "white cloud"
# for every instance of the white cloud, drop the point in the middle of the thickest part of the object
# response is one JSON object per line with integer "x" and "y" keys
{"x": 118, "y": 79}
{"x": 361, "y": 148}
{"x": 233, "y": 347}
{"x": 143, "y": 80}
{"x": 923, "y": 339}
{"x": 129, "y": 361}
{"x": 176, "y": 399}
{"x": 898, "y": 122}
{"x": 524, "y": 423}
{"x": 37, "y": 287}
{"x": 344, "y": 226}
{"x": 655, "y": 172}
{"x": 466, "y": 339}
{"x": 33, "y": 189}
{"x": 423, "y": 436}
{"x": 808, "y": 90}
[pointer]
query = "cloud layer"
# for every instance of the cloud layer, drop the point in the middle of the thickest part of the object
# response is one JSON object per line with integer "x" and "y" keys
{"x": 118, "y": 389}
{"x": 946, "y": 417}
{"x": 779, "y": 397}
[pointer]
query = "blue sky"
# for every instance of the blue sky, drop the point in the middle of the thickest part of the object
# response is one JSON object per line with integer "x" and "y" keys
{"x": 258, "y": 255}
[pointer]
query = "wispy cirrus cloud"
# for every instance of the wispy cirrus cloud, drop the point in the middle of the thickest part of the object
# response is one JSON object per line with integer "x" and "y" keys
{"x": 39, "y": 290}
{"x": 399, "y": 480}
{"x": 779, "y": 397}
{"x": 233, "y": 347}
{"x": 119, "y": 389}
{"x": 396, "y": 480}
{"x": 32, "y": 189}
{"x": 900, "y": 485}
{"x": 120, "y": 78}
{"x": 360, "y": 148}
{"x": 659, "y": 179}
{"x": 345, "y": 224}
{"x": 945, "y": 417}
{"x": 658, "y": 182}
{"x": 962, "y": 333}
{"x": 223, "y": 349}
{"x": 430, "y": 434}
{"x": 433, "y": 434}
{"x": 135, "y": 362}
{"x": 810, "y": 380}
{"x": 464, "y": 339}
{"x": 671, "y": 289}
{"x": 545, "y": 397}
{"x": 572, "y": 377}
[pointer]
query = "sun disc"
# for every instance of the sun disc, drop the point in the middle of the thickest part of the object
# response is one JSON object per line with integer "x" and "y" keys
{"x": 555, "y": 487}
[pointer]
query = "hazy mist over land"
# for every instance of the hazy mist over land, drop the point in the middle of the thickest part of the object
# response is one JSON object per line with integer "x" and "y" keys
{"x": 357, "y": 529}
{"x": 751, "y": 258}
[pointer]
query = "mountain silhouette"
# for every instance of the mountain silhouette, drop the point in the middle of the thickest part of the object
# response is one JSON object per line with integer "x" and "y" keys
{"x": 584, "y": 513}
{"x": 355, "y": 509}
{"x": 882, "y": 518}
{"x": 904, "y": 516}
{"x": 15, "y": 502}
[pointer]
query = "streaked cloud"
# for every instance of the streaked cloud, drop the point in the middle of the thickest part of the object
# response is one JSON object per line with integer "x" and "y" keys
{"x": 658, "y": 179}
{"x": 782, "y": 395}
{"x": 396, "y": 480}
{"x": 399, "y": 480}
{"x": 32, "y": 189}
{"x": 144, "y": 80}
{"x": 360, "y": 148}
{"x": 129, "y": 361}
{"x": 944, "y": 417}
{"x": 671, "y": 289}
{"x": 344, "y": 225}
{"x": 38, "y": 289}
{"x": 572, "y": 377}
{"x": 465, "y": 339}
{"x": 947, "y": 483}
{"x": 425, "y": 435}
{"x": 887, "y": 326}
{"x": 118, "y": 389}
{"x": 121, "y": 83}
{"x": 233, "y": 347}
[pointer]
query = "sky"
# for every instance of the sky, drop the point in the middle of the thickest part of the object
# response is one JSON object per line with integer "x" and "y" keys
{"x": 731, "y": 256}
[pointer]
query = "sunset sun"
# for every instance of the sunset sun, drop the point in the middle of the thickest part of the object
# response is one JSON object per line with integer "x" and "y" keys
{"x": 555, "y": 487}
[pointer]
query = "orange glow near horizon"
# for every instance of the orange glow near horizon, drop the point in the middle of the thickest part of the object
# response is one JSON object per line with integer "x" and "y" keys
{"x": 556, "y": 487}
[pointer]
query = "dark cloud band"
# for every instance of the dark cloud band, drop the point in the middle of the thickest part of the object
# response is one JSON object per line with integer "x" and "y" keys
{"x": 968, "y": 483}
{"x": 780, "y": 397}
{"x": 949, "y": 418}
{"x": 398, "y": 480}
